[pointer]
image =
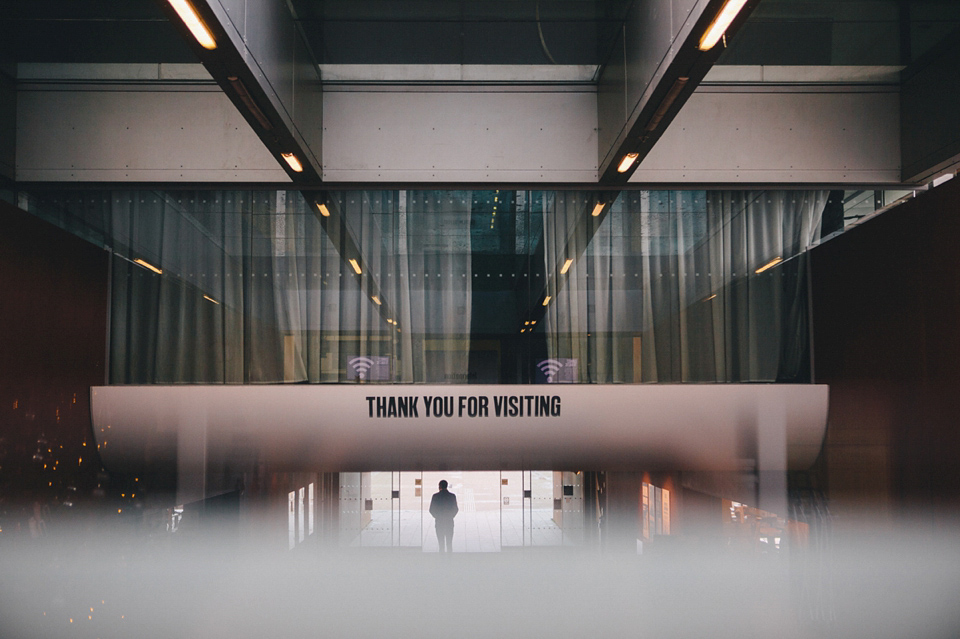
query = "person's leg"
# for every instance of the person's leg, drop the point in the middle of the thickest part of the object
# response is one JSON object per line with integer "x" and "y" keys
{"x": 448, "y": 538}
{"x": 440, "y": 537}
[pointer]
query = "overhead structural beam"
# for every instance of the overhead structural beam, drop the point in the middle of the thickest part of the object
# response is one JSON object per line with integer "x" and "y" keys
{"x": 256, "y": 53}
{"x": 929, "y": 102}
{"x": 656, "y": 65}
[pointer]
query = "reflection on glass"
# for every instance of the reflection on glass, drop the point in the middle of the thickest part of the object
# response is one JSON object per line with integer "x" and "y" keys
{"x": 480, "y": 286}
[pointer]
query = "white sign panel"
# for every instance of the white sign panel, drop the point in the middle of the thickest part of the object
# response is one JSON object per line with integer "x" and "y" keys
{"x": 471, "y": 427}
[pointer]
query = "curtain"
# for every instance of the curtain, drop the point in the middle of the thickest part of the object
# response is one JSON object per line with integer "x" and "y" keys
{"x": 668, "y": 290}
{"x": 253, "y": 289}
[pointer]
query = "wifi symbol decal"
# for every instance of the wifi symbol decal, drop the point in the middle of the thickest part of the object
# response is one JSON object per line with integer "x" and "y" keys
{"x": 361, "y": 365}
{"x": 549, "y": 367}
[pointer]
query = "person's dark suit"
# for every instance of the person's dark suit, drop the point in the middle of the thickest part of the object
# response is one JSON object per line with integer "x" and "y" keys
{"x": 443, "y": 507}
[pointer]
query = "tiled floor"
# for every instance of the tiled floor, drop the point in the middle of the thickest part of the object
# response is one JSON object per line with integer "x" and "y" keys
{"x": 475, "y": 531}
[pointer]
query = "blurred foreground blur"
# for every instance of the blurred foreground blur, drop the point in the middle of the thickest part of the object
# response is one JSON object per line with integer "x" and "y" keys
{"x": 868, "y": 582}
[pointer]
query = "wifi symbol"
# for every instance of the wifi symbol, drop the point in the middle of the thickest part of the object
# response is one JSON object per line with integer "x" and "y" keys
{"x": 549, "y": 367}
{"x": 362, "y": 365}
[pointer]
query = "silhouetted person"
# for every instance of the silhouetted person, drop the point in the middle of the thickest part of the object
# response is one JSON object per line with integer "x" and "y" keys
{"x": 444, "y": 508}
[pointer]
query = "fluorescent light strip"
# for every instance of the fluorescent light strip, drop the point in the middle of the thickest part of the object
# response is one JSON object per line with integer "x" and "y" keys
{"x": 324, "y": 211}
{"x": 599, "y": 207}
{"x": 566, "y": 266}
{"x": 668, "y": 101}
{"x": 194, "y": 23}
{"x": 208, "y": 298}
{"x": 355, "y": 265}
{"x": 720, "y": 24}
{"x": 247, "y": 99}
{"x": 769, "y": 264}
{"x": 627, "y": 162}
{"x": 293, "y": 161}
{"x": 148, "y": 265}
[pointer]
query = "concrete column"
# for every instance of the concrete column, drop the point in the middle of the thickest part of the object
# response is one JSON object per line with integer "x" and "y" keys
{"x": 622, "y": 512}
{"x": 191, "y": 454}
{"x": 772, "y": 456}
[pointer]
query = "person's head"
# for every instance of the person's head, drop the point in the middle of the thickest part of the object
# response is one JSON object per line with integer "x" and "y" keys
{"x": 443, "y": 484}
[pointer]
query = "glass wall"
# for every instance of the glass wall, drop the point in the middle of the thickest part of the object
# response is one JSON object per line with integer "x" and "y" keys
{"x": 471, "y": 286}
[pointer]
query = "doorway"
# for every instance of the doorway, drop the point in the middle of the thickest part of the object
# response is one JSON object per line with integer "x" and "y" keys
{"x": 499, "y": 510}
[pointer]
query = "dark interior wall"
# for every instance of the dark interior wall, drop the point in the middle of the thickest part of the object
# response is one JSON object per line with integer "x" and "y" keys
{"x": 53, "y": 327}
{"x": 886, "y": 317}
{"x": 8, "y": 123}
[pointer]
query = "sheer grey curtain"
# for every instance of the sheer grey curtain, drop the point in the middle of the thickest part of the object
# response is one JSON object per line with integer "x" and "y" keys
{"x": 668, "y": 288}
{"x": 416, "y": 245}
{"x": 253, "y": 289}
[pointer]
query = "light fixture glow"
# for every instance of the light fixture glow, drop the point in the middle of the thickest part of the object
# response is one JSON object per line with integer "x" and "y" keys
{"x": 355, "y": 265}
{"x": 627, "y": 162}
{"x": 293, "y": 161}
{"x": 210, "y": 299}
{"x": 769, "y": 264}
{"x": 710, "y": 298}
{"x": 148, "y": 265}
{"x": 324, "y": 211}
{"x": 598, "y": 207}
{"x": 194, "y": 23}
{"x": 546, "y": 300}
{"x": 566, "y": 266}
{"x": 720, "y": 24}
{"x": 376, "y": 300}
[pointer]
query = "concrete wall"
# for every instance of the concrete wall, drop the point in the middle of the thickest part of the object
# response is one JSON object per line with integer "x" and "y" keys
{"x": 132, "y": 133}
{"x": 742, "y": 135}
{"x": 482, "y": 135}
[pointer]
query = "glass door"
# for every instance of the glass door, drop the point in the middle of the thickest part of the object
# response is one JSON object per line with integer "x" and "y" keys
{"x": 410, "y": 505}
{"x": 378, "y": 509}
{"x": 512, "y": 509}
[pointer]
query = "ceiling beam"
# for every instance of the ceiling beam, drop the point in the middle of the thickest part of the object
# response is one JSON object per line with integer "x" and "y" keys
{"x": 262, "y": 63}
{"x": 656, "y": 66}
